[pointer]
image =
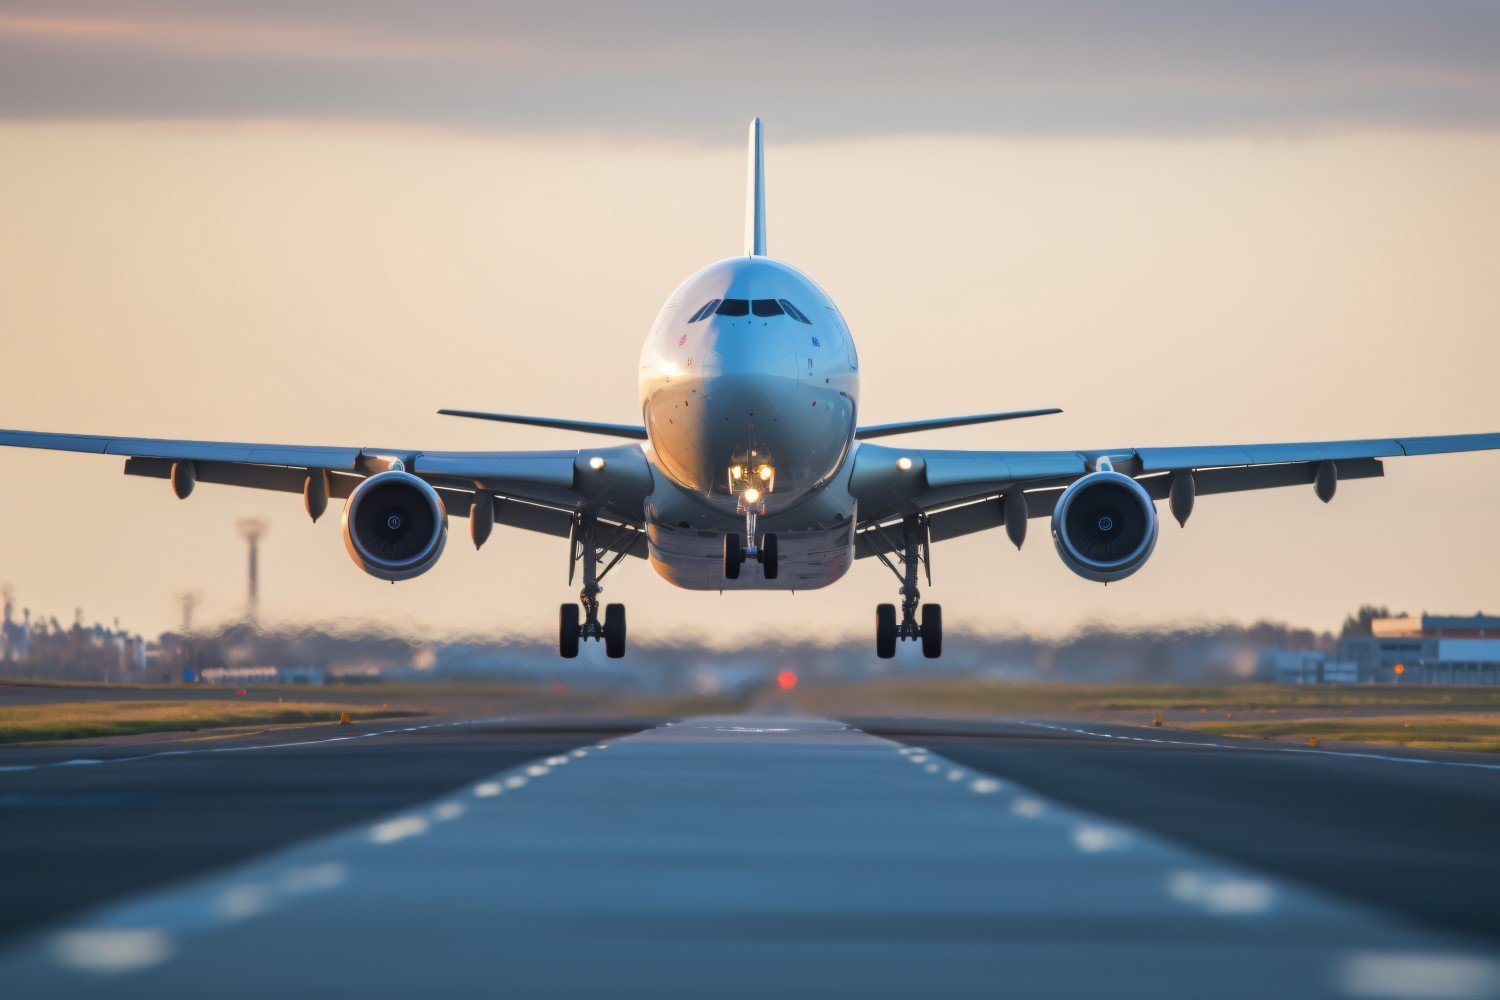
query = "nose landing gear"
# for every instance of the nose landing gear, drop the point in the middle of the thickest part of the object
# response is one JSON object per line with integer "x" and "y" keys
{"x": 767, "y": 553}
{"x": 914, "y": 551}
{"x": 584, "y": 548}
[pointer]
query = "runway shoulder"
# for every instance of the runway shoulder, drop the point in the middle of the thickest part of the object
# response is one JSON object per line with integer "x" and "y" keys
{"x": 85, "y": 824}
{"x": 1368, "y": 824}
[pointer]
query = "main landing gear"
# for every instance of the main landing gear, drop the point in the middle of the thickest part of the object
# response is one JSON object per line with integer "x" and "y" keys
{"x": 584, "y": 548}
{"x": 913, "y": 551}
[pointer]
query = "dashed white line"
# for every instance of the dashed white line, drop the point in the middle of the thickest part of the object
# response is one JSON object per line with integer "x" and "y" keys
{"x": 260, "y": 746}
{"x": 1261, "y": 749}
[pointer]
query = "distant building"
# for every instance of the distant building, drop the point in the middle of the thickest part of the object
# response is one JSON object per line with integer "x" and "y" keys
{"x": 15, "y": 636}
{"x": 247, "y": 676}
{"x": 1305, "y": 666}
{"x": 1432, "y": 649}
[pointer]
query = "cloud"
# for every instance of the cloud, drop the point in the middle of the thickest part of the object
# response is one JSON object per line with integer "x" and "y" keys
{"x": 840, "y": 68}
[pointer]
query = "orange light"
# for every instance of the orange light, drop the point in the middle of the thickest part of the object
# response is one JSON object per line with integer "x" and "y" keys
{"x": 786, "y": 680}
{"x": 1400, "y": 669}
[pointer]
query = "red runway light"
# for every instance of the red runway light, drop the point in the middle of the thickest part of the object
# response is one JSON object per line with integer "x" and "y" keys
{"x": 786, "y": 680}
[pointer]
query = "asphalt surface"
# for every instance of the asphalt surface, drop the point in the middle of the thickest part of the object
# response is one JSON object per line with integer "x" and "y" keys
{"x": 753, "y": 856}
{"x": 1409, "y": 837}
{"x": 150, "y": 813}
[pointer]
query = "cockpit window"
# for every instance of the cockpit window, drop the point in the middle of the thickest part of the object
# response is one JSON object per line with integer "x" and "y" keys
{"x": 705, "y": 312}
{"x": 794, "y": 312}
{"x": 734, "y": 307}
{"x": 765, "y": 307}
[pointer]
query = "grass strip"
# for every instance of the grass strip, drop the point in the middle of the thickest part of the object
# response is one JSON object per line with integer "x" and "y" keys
{"x": 1469, "y": 733}
{"x": 1000, "y": 697}
{"x": 93, "y": 719}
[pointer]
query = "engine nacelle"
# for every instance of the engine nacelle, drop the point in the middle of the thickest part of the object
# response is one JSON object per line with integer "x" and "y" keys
{"x": 395, "y": 526}
{"x": 1104, "y": 526}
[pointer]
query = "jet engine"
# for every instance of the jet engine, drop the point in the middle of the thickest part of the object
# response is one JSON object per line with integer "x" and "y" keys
{"x": 395, "y": 526}
{"x": 1104, "y": 526}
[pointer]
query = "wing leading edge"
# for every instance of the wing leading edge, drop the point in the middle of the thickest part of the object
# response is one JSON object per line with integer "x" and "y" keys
{"x": 535, "y": 490}
{"x": 953, "y": 487}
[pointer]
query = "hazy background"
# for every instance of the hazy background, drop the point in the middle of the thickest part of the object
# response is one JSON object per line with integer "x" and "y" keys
{"x": 1182, "y": 222}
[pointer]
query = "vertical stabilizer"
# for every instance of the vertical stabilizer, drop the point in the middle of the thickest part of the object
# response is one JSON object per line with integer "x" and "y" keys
{"x": 755, "y": 196}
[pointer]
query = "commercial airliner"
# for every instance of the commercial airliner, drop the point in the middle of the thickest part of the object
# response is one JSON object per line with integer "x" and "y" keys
{"x": 751, "y": 469}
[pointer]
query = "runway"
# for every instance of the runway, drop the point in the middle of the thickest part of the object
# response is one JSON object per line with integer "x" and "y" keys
{"x": 782, "y": 855}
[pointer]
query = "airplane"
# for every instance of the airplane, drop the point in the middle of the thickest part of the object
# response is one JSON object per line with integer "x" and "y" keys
{"x": 750, "y": 470}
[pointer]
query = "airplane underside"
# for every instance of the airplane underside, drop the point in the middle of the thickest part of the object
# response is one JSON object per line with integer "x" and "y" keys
{"x": 805, "y": 560}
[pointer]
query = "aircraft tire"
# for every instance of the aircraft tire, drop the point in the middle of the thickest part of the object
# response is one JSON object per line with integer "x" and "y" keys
{"x": 885, "y": 631}
{"x": 734, "y": 556}
{"x": 932, "y": 631}
{"x": 567, "y": 631}
{"x": 614, "y": 631}
{"x": 768, "y": 557}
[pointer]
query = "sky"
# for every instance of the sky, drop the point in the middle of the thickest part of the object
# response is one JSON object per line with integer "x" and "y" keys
{"x": 1207, "y": 222}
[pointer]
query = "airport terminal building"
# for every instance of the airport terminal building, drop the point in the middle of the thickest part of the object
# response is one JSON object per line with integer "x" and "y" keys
{"x": 1432, "y": 649}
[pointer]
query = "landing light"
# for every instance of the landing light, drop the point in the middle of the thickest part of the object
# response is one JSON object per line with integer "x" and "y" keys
{"x": 765, "y": 472}
{"x": 596, "y": 463}
{"x": 903, "y": 463}
{"x": 735, "y": 472}
{"x": 752, "y": 495}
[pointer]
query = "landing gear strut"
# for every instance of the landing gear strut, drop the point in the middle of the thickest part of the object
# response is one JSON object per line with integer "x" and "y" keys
{"x": 913, "y": 552}
{"x": 585, "y": 549}
{"x": 768, "y": 553}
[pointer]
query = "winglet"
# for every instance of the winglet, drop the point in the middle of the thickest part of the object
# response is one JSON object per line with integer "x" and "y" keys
{"x": 755, "y": 196}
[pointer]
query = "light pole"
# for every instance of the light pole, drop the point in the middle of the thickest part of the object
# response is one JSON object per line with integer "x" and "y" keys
{"x": 252, "y": 529}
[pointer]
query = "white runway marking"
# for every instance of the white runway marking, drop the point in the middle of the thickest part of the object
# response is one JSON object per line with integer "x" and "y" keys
{"x": 1359, "y": 754}
{"x": 674, "y": 864}
{"x": 237, "y": 749}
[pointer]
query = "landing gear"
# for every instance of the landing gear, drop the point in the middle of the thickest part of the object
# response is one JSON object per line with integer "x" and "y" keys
{"x": 568, "y": 631}
{"x": 914, "y": 551}
{"x": 885, "y": 631}
{"x": 932, "y": 631}
{"x": 734, "y": 556}
{"x": 614, "y": 631}
{"x": 735, "y": 553}
{"x": 584, "y": 549}
{"x": 768, "y": 556}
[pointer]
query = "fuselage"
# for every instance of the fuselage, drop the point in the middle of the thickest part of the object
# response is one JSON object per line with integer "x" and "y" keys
{"x": 749, "y": 386}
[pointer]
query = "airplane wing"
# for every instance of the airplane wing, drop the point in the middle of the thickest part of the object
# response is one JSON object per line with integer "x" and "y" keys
{"x": 635, "y": 432}
{"x": 908, "y": 426}
{"x": 959, "y": 490}
{"x": 537, "y": 490}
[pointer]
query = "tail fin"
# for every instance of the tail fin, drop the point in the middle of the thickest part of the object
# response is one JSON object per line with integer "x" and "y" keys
{"x": 755, "y": 196}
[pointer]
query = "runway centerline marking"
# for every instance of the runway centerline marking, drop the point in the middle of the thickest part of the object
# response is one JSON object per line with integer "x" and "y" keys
{"x": 942, "y": 838}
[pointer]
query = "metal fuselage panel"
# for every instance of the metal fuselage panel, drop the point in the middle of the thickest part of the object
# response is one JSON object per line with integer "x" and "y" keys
{"x": 715, "y": 391}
